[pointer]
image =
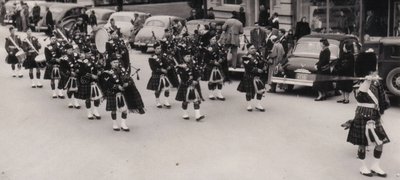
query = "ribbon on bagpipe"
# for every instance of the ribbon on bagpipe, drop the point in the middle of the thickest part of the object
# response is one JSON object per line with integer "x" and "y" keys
{"x": 55, "y": 72}
{"x": 164, "y": 83}
{"x": 71, "y": 85}
{"x": 95, "y": 92}
{"x": 136, "y": 72}
{"x": 120, "y": 102}
{"x": 216, "y": 76}
{"x": 259, "y": 86}
{"x": 192, "y": 94}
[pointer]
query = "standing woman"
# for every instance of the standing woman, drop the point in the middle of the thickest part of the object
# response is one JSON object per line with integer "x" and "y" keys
{"x": 323, "y": 68}
{"x": 346, "y": 68}
{"x": 372, "y": 103}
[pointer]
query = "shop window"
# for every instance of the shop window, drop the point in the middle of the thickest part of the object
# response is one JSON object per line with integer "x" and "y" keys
{"x": 233, "y": 1}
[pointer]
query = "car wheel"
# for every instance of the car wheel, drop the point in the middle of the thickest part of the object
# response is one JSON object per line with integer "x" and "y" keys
{"x": 143, "y": 49}
{"x": 288, "y": 87}
{"x": 393, "y": 81}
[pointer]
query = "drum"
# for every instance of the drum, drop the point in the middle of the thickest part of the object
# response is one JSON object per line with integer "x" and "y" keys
{"x": 21, "y": 56}
{"x": 101, "y": 37}
{"x": 41, "y": 61}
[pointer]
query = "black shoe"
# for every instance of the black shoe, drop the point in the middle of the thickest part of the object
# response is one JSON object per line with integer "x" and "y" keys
{"x": 70, "y": 106}
{"x": 346, "y": 102}
{"x": 249, "y": 110}
{"x": 221, "y": 99}
{"x": 20, "y": 76}
{"x": 77, "y": 107}
{"x": 211, "y": 98}
{"x": 33, "y": 86}
{"x": 262, "y": 110}
{"x": 61, "y": 97}
{"x": 14, "y": 75}
{"x": 116, "y": 129}
{"x": 378, "y": 174}
{"x": 39, "y": 86}
{"x": 367, "y": 174}
{"x": 341, "y": 101}
{"x": 200, "y": 118}
{"x": 126, "y": 130}
{"x": 159, "y": 106}
{"x": 97, "y": 117}
{"x": 186, "y": 118}
{"x": 167, "y": 106}
{"x": 54, "y": 97}
{"x": 91, "y": 118}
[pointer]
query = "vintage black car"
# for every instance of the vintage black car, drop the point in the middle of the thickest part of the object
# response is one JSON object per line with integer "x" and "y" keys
{"x": 300, "y": 67}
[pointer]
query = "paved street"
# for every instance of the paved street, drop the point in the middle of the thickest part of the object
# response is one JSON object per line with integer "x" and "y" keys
{"x": 295, "y": 139}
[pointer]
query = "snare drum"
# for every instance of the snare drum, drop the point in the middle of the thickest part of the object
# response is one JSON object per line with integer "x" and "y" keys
{"x": 41, "y": 61}
{"x": 21, "y": 56}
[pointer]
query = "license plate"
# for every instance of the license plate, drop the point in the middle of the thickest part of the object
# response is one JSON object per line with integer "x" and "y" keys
{"x": 301, "y": 76}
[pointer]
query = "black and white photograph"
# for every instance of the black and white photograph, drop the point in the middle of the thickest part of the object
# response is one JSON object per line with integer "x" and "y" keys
{"x": 200, "y": 89}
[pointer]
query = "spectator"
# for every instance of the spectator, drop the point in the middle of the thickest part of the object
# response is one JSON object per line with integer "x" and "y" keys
{"x": 49, "y": 22}
{"x": 233, "y": 28}
{"x": 302, "y": 28}
{"x": 276, "y": 59}
{"x": 35, "y": 14}
{"x": 345, "y": 67}
{"x": 317, "y": 24}
{"x": 257, "y": 36}
{"x": 343, "y": 23}
{"x": 85, "y": 19}
{"x": 193, "y": 15}
{"x": 92, "y": 19}
{"x": 274, "y": 21}
{"x": 18, "y": 20}
{"x": 371, "y": 24}
{"x": 323, "y": 69}
{"x": 120, "y": 4}
{"x": 211, "y": 13}
{"x": 290, "y": 41}
{"x": 242, "y": 16}
{"x": 2, "y": 12}
{"x": 397, "y": 29}
{"x": 262, "y": 16}
{"x": 283, "y": 40}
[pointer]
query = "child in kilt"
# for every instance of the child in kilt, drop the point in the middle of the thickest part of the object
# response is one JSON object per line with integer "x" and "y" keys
{"x": 121, "y": 93}
{"x": 53, "y": 54}
{"x": 189, "y": 88}
{"x": 31, "y": 46}
{"x": 366, "y": 128}
{"x": 13, "y": 46}
{"x": 253, "y": 82}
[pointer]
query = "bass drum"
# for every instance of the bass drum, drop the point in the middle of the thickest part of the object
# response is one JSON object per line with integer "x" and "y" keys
{"x": 101, "y": 37}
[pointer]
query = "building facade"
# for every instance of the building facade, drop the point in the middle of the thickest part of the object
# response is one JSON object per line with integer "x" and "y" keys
{"x": 376, "y": 18}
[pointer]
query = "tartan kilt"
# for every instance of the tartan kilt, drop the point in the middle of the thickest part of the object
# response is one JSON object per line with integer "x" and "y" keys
{"x": 62, "y": 82}
{"x": 111, "y": 104}
{"x": 83, "y": 91}
{"x": 154, "y": 82}
{"x": 181, "y": 94}
{"x": 246, "y": 85}
{"x": 357, "y": 135}
{"x": 11, "y": 59}
{"x": 47, "y": 72}
{"x": 30, "y": 62}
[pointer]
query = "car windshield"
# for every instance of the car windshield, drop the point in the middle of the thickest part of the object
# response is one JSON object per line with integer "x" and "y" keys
{"x": 105, "y": 16}
{"x": 156, "y": 23}
{"x": 56, "y": 12}
{"x": 313, "y": 49}
{"x": 122, "y": 18}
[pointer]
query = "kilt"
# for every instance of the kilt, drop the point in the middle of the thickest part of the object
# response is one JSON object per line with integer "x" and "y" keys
{"x": 357, "y": 135}
{"x": 346, "y": 86}
{"x": 11, "y": 59}
{"x": 30, "y": 62}
{"x": 111, "y": 104}
{"x": 154, "y": 82}
{"x": 83, "y": 91}
{"x": 48, "y": 72}
{"x": 182, "y": 92}
{"x": 246, "y": 85}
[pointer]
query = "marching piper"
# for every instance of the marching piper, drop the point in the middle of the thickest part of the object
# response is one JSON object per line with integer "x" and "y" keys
{"x": 88, "y": 90}
{"x": 216, "y": 69}
{"x": 117, "y": 45}
{"x": 52, "y": 72}
{"x": 32, "y": 46}
{"x": 15, "y": 53}
{"x": 159, "y": 80}
{"x": 189, "y": 87}
{"x": 253, "y": 81}
{"x": 69, "y": 70}
{"x": 366, "y": 128}
{"x": 121, "y": 93}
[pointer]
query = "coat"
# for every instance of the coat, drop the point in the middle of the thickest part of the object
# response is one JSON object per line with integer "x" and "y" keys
{"x": 302, "y": 29}
{"x": 49, "y": 18}
{"x": 257, "y": 37}
{"x": 233, "y": 28}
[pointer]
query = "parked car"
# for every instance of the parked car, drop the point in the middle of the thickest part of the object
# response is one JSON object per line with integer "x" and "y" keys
{"x": 154, "y": 25}
{"x": 123, "y": 21}
{"x": 102, "y": 16}
{"x": 389, "y": 63}
{"x": 199, "y": 24}
{"x": 61, "y": 12}
{"x": 300, "y": 68}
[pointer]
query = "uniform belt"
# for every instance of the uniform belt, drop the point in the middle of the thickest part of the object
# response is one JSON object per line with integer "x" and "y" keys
{"x": 368, "y": 105}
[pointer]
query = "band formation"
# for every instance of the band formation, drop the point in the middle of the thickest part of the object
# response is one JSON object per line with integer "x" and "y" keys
{"x": 76, "y": 67}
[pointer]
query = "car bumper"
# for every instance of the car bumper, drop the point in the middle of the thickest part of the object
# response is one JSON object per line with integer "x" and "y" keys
{"x": 140, "y": 44}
